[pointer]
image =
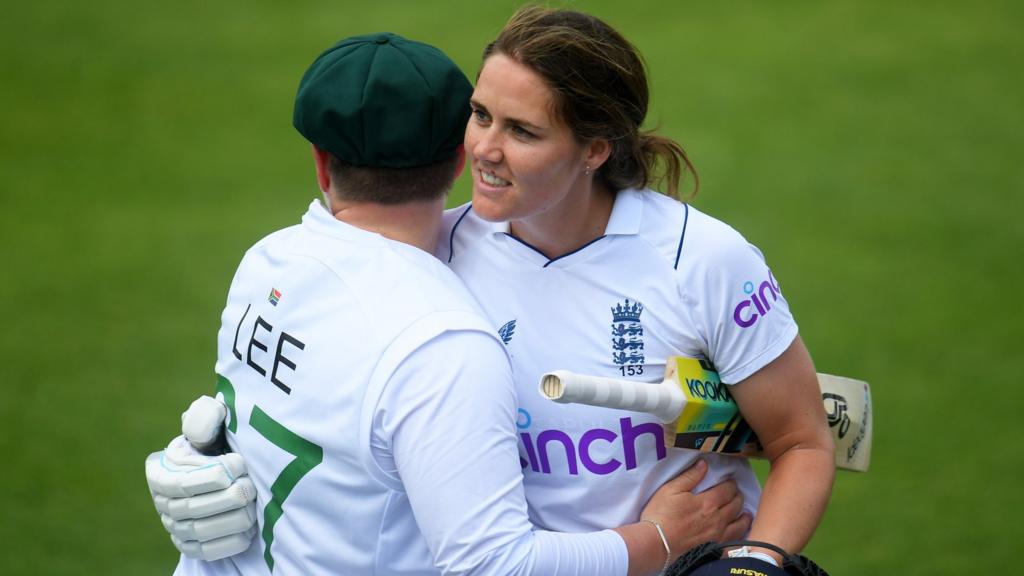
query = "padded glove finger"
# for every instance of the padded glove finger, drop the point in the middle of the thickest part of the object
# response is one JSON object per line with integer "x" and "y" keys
{"x": 181, "y": 471}
{"x": 215, "y": 549}
{"x": 213, "y": 527}
{"x": 235, "y": 496}
{"x": 203, "y": 423}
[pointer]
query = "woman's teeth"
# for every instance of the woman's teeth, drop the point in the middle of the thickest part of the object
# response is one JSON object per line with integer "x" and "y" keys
{"x": 493, "y": 180}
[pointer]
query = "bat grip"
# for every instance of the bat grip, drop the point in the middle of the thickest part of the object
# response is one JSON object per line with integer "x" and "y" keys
{"x": 664, "y": 400}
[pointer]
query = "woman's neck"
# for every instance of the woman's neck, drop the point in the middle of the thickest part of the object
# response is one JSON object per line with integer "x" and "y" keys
{"x": 567, "y": 226}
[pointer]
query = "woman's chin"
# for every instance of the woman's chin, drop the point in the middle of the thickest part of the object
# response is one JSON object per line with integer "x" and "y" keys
{"x": 488, "y": 207}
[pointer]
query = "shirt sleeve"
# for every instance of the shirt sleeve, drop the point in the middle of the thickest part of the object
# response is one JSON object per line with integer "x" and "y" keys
{"x": 743, "y": 314}
{"x": 447, "y": 428}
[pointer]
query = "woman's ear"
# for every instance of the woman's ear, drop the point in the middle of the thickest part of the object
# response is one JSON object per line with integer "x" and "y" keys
{"x": 597, "y": 152}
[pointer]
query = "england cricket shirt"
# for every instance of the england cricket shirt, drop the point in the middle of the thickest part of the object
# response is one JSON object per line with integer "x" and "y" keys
{"x": 664, "y": 280}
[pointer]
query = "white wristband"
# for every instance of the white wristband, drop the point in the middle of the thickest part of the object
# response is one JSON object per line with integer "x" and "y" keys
{"x": 746, "y": 552}
{"x": 664, "y": 542}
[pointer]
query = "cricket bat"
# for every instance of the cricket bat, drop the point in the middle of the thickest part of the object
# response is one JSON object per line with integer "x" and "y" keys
{"x": 699, "y": 413}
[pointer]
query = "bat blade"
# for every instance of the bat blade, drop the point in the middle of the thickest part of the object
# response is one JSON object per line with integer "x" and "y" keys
{"x": 699, "y": 413}
{"x": 848, "y": 409}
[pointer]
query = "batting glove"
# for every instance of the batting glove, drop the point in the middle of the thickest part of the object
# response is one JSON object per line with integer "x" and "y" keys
{"x": 206, "y": 503}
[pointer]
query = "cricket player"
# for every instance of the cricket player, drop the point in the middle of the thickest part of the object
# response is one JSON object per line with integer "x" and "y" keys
{"x": 370, "y": 398}
{"x": 601, "y": 274}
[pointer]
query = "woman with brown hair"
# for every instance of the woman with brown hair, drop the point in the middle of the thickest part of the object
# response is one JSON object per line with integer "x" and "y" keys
{"x": 585, "y": 268}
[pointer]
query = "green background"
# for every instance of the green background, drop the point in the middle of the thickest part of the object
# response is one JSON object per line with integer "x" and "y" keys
{"x": 870, "y": 148}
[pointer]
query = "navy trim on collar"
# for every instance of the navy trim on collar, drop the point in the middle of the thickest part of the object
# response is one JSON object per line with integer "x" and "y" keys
{"x": 573, "y": 252}
{"x": 451, "y": 237}
{"x": 679, "y": 250}
{"x": 550, "y": 260}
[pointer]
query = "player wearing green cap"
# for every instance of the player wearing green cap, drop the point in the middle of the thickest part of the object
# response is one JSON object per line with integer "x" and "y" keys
{"x": 371, "y": 401}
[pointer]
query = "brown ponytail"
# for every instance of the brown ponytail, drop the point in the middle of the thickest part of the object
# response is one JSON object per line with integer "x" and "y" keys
{"x": 665, "y": 161}
{"x": 599, "y": 82}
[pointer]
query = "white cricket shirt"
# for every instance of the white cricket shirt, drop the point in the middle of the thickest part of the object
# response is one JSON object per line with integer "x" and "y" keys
{"x": 376, "y": 413}
{"x": 664, "y": 280}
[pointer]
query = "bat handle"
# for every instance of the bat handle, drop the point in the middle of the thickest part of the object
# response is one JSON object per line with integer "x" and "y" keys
{"x": 664, "y": 400}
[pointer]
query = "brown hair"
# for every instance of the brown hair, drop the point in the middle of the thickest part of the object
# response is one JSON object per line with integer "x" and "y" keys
{"x": 599, "y": 81}
{"x": 391, "y": 185}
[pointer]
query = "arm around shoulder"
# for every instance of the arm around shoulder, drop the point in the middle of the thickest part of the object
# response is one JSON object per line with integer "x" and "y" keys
{"x": 450, "y": 430}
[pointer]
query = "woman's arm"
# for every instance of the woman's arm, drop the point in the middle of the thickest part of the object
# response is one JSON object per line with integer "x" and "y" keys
{"x": 782, "y": 403}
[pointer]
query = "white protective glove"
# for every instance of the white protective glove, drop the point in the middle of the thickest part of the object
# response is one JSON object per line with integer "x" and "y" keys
{"x": 206, "y": 503}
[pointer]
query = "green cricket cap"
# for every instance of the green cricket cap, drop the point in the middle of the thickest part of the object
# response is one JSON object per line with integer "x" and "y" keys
{"x": 384, "y": 101}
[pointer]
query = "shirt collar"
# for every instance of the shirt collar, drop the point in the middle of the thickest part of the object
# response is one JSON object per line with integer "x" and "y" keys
{"x": 499, "y": 227}
{"x": 318, "y": 219}
{"x": 626, "y": 213}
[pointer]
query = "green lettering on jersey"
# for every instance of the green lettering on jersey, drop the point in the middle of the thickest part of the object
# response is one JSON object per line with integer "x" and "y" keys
{"x": 307, "y": 456}
{"x": 225, "y": 388}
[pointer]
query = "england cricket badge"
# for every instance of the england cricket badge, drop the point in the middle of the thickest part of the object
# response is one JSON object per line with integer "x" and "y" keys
{"x": 628, "y": 337}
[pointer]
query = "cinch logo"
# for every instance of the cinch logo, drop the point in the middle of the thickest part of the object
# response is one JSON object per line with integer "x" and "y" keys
{"x": 537, "y": 448}
{"x": 743, "y": 315}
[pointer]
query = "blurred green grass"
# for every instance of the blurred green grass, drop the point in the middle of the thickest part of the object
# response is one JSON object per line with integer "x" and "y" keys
{"x": 869, "y": 148}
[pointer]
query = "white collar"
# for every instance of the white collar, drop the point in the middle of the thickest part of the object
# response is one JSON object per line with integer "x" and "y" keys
{"x": 320, "y": 220}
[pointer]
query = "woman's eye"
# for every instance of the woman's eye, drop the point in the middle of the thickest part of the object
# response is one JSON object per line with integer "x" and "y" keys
{"x": 521, "y": 132}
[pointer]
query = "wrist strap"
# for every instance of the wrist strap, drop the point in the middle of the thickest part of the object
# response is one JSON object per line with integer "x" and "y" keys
{"x": 664, "y": 542}
{"x": 746, "y": 552}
